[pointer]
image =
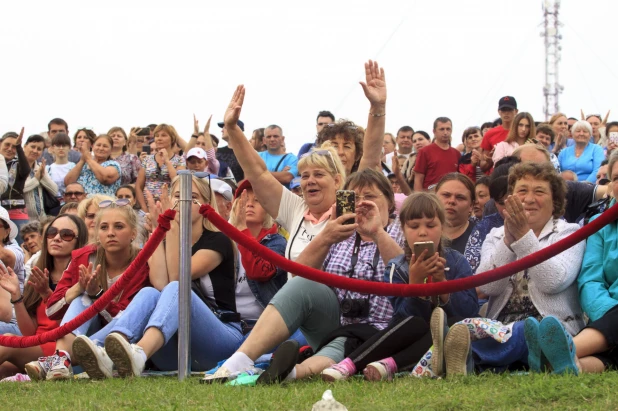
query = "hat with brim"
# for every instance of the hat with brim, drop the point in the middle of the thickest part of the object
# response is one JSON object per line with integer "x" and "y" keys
{"x": 4, "y": 216}
{"x": 240, "y": 124}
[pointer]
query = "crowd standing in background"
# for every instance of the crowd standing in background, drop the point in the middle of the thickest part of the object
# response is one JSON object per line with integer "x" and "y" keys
{"x": 409, "y": 208}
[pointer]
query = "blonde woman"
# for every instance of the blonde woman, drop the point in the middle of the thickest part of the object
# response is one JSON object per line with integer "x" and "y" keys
{"x": 87, "y": 211}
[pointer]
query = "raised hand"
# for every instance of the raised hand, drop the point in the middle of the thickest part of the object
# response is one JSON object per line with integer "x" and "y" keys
{"x": 232, "y": 113}
{"x": 41, "y": 172}
{"x": 515, "y": 219}
{"x": 20, "y": 137}
{"x": 196, "y": 125}
{"x": 207, "y": 127}
{"x": 368, "y": 219}
{"x": 605, "y": 119}
{"x": 241, "y": 211}
{"x": 9, "y": 281}
{"x": 395, "y": 164}
{"x": 39, "y": 280}
{"x": 375, "y": 83}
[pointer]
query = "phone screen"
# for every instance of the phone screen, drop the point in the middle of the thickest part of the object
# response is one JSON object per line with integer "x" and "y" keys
{"x": 146, "y": 148}
{"x": 613, "y": 137}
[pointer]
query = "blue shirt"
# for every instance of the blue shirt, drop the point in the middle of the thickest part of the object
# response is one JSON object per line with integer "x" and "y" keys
{"x": 586, "y": 166}
{"x": 274, "y": 163}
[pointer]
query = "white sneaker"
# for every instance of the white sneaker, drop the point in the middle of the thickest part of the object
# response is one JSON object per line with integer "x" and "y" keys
{"x": 128, "y": 358}
{"x": 61, "y": 368}
{"x": 92, "y": 358}
{"x": 37, "y": 370}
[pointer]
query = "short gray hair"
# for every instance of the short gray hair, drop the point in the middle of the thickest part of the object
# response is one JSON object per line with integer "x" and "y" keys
{"x": 580, "y": 124}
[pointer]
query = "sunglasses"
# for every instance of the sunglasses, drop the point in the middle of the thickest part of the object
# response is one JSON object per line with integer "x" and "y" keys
{"x": 74, "y": 193}
{"x": 121, "y": 202}
{"x": 65, "y": 234}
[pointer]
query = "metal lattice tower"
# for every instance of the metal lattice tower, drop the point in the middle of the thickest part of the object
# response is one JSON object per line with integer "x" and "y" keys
{"x": 552, "y": 36}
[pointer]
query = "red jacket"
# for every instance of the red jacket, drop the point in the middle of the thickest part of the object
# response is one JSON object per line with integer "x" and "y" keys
{"x": 57, "y": 305}
{"x": 256, "y": 267}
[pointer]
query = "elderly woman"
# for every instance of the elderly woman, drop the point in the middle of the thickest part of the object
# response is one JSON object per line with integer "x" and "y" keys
{"x": 160, "y": 167}
{"x": 522, "y": 132}
{"x": 593, "y": 349}
{"x": 532, "y": 221}
{"x": 584, "y": 158}
{"x": 129, "y": 163}
{"x": 97, "y": 173}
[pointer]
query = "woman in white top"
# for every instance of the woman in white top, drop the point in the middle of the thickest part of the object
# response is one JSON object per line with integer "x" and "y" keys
{"x": 321, "y": 171}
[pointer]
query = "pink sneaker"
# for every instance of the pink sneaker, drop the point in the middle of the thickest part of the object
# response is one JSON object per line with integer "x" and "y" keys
{"x": 381, "y": 370}
{"x": 339, "y": 372}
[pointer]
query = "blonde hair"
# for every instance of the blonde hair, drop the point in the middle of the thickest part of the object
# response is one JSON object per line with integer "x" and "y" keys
{"x": 205, "y": 190}
{"x": 268, "y": 220}
{"x": 555, "y": 117}
{"x": 326, "y": 158}
{"x": 131, "y": 218}
{"x": 121, "y": 130}
{"x": 82, "y": 208}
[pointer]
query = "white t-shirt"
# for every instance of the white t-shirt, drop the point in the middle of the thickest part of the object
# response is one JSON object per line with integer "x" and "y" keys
{"x": 57, "y": 172}
{"x": 388, "y": 159}
{"x": 246, "y": 303}
{"x": 292, "y": 210}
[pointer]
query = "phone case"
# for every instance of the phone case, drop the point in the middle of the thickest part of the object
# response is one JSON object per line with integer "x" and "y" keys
{"x": 346, "y": 203}
{"x": 421, "y": 246}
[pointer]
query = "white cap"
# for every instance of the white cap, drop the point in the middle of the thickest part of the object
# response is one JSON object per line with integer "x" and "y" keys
{"x": 222, "y": 188}
{"x": 4, "y": 216}
{"x": 197, "y": 152}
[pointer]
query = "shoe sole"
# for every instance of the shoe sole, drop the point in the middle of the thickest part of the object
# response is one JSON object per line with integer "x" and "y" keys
{"x": 115, "y": 347}
{"x": 456, "y": 349}
{"x": 59, "y": 376}
{"x": 371, "y": 373}
{"x": 557, "y": 346}
{"x": 34, "y": 373}
{"x": 219, "y": 380}
{"x": 84, "y": 352}
{"x": 328, "y": 378}
{"x": 436, "y": 324}
{"x": 284, "y": 360}
{"x": 531, "y": 334}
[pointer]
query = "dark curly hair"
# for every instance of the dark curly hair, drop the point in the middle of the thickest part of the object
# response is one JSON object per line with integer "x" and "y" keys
{"x": 346, "y": 129}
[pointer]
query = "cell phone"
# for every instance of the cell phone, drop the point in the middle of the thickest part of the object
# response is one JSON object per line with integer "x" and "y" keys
{"x": 346, "y": 203}
{"x": 143, "y": 131}
{"x": 146, "y": 148}
{"x": 613, "y": 137}
{"x": 421, "y": 246}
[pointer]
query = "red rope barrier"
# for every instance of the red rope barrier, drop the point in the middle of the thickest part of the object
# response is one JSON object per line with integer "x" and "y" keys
{"x": 409, "y": 290}
{"x": 126, "y": 279}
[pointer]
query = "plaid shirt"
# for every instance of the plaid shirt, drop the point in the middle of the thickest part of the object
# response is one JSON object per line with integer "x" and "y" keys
{"x": 339, "y": 262}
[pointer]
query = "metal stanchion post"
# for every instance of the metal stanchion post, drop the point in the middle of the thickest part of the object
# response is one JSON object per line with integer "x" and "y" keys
{"x": 184, "y": 289}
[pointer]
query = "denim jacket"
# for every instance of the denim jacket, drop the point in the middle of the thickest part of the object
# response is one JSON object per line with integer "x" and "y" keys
{"x": 460, "y": 304}
{"x": 265, "y": 288}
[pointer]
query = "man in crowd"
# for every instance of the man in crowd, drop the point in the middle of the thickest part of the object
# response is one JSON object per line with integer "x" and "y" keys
{"x": 281, "y": 165}
{"x": 389, "y": 144}
{"x": 55, "y": 126}
{"x": 226, "y": 154}
{"x": 404, "y": 142}
{"x": 74, "y": 193}
{"x": 323, "y": 118}
{"x": 436, "y": 159}
{"x": 223, "y": 197}
{"x": 507, "y": 109}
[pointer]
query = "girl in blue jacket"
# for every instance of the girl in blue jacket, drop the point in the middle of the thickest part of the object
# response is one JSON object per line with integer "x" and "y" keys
{"x": 407, "y": 339}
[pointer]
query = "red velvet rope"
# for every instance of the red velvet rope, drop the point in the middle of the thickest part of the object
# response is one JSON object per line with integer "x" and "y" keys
{"x": 408, "y": 290}
{"x": 128, "y": 278}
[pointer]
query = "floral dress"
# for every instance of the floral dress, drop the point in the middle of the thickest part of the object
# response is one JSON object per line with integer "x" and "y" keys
{"x": 93, "y": 186}
{"x": 130, "y": 166}
{"x": 157, "y": 176}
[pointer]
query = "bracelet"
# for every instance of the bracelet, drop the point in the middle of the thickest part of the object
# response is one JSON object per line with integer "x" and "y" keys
{"x": 19, "y": 300}
{"x": 377, "y": 115}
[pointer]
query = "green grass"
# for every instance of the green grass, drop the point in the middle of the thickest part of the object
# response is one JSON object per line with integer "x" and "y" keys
{"x": 494, "y": 392}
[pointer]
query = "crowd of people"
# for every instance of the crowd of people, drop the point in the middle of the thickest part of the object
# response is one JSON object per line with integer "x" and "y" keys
{"x": 75, "y": 212}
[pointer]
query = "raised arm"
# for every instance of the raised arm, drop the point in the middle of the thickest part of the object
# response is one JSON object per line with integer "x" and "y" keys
{"x": 375, "y": 91}
{"x": 266, "y": 187}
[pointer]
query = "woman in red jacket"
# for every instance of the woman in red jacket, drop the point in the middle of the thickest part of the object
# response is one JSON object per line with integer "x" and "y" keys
{"x": 63, "y": 235}
{"x": 92, "y": 271}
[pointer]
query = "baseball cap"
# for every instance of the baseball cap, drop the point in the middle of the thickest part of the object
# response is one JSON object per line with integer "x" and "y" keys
{"x": 240, "y": 124}
{"x": 295, "y": 183}
{"x": 222, "y": 188}
{"x": 197, "y": 152}
{"x": 507, "y": 102}
{"x": 245, "y": 185}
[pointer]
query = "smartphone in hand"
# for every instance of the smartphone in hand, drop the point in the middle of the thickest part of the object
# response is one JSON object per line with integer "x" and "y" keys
{"x": 346, "y": 203}
{"x": 421, "y": 246}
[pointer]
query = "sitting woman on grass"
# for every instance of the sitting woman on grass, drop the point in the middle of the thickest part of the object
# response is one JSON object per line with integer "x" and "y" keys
{"x": 93, "y": 270}
{"x": 406, "y": 340}
{"x": 532, "y": 222}
{"x": 594, "y": 348}
{"x": 65, "y": 234}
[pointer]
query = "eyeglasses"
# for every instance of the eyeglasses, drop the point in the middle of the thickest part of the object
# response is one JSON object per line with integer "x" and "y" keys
{"x": 368, "y": 197}
{"x": 65, "y": 234}
{"x": 121, "y": 202}
{"x": 74, "y": 193}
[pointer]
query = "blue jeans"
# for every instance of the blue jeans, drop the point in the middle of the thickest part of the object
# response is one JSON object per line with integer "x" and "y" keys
{"x": 211, "y": 339}
{"x": 490, "y": 354}
{"x": 9, "y": 328}
{"x": 95, "y": 327}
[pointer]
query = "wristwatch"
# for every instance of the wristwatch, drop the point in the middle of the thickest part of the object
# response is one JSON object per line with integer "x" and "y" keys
{"x": 94, "y": 297}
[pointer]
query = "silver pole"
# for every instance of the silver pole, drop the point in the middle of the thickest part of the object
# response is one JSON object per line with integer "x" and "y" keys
{"x": 184, "y": 289}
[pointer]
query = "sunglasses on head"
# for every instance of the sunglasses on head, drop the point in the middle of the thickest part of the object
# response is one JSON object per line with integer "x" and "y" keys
{"x": 121, "y": 202}
{"x": 65, "y": 234}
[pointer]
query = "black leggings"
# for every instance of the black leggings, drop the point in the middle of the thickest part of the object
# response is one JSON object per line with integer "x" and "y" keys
{"x": 407, "y": 342}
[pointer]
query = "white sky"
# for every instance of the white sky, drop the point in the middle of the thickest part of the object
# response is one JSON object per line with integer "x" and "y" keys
{"x": 133, "y": 63}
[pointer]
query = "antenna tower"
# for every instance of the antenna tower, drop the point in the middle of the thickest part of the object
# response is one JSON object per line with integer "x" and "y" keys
{"x": 552, "y": 36}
